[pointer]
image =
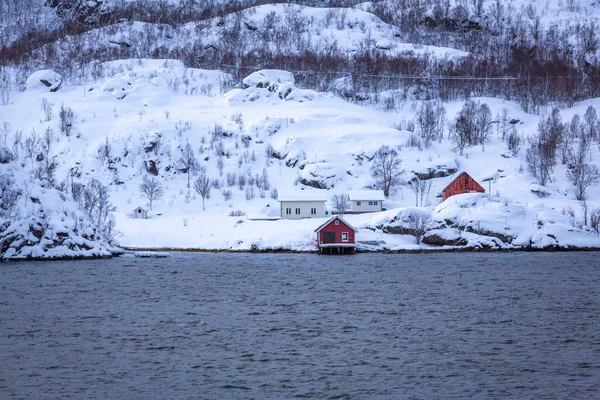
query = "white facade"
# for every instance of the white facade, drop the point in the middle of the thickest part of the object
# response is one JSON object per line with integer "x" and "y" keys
{"x": 363, "y": 201}
{"x": 139, "y": 212}
{"x": 298, "y": 205}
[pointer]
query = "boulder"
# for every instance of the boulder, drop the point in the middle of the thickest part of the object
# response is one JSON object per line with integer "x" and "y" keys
{"x": 45, "y": 79}
{"x": 266, "y": 77}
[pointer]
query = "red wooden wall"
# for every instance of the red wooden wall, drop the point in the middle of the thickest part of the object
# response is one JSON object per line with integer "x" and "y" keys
{"x": 338, "y": 229}
{"x": 463, "y": 183}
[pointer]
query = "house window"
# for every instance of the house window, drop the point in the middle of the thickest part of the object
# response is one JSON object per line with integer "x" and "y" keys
{"x": 358, "y": 203}
{"x": 297, "y": 211}
{"x": 374, "y": 203}
{"x": 288, "y": 211}
{"x": 344, "y": 236}
{"x": 313, "y": 211}
{"x": 337, "y": 222}
{"x": 370, "y": 203}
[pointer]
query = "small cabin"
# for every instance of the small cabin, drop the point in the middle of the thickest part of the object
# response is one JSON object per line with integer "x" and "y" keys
{"x": 139, "y": 212}
{"x": 336, "y": 236}
{"x": 463, "y": 183}
{"x": 364, "y": 201}
{"x": 302, "y": 204}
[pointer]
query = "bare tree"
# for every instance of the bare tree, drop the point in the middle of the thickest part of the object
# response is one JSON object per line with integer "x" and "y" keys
{"x": 417, "y": 222}
{"x": 483, "y": 123}
{"x": 421, "y": 189}
{"x": 187, "y": 161}
{"x": 537, "y": 164}
{"x": 202, "y": 187}
{"x": 340, "y": 203}
{"x": 458, "y": 134}
{"x": 513, "y": 141}
{"x": 465, "y": 126}
{"x": 386, "y": 168}
{"x": 582, "y": 176}
{"x": 94, "y": 198}
{"x": 430, "y": 121}
{"x": 151, "y": 189}
{"x": 590, "y": 119}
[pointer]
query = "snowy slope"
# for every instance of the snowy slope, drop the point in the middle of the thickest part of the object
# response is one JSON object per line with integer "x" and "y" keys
{"x": 148, "y": 110}
{"x": 45, "y": 223}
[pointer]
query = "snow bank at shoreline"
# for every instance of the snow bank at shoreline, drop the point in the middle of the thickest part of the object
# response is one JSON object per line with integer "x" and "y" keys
{"x": 465, "y": 222}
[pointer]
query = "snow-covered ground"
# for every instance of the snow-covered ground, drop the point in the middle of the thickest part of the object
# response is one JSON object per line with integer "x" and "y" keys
{"x": 136, "y": 119}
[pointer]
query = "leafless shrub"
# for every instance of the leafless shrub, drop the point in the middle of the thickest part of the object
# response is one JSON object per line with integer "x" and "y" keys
{"x": 595, "y": 220}
{"x": 417, "y": 222}
{"x": 9, "y": 194}
{"x": 47, "y": 109}
{"x": 241, "y": 181}
{"x": 250, "y": 192}
{"x": 66, "y": 120}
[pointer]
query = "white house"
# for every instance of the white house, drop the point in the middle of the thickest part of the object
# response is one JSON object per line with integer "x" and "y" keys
{"x": 363, "y": 201}
{"x": 139, "y": 212}
{"x": 302, "y": 204}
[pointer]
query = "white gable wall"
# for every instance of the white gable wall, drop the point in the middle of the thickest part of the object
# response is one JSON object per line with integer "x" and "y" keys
{"x": 363, "y": 205}
{"x": 304, "y": 209}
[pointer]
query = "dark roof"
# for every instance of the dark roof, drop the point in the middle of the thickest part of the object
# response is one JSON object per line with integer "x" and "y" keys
{"x": 331, "y": 220}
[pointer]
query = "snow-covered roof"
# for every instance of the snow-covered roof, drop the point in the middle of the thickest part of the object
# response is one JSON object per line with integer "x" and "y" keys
{"x": 302, "y": 195}
{"x": 323, "y": 225}
{"x": 366, "y": 195}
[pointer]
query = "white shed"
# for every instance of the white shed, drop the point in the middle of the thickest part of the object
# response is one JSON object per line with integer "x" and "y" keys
{"x": 364, "y": 201}
{"x": 139, "y": 212}
{"x": 302, "y": 204}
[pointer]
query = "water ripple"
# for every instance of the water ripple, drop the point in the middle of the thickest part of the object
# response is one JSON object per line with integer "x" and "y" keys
{"x": 302, "y": 326}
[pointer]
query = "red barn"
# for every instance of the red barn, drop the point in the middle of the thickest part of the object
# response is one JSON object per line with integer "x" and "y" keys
{"x": 336, "y": 236}
{"x": 463, "y": 183}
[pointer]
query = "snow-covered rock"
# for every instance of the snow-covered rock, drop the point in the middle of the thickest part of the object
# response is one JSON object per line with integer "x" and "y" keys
{"x": 117, "y": 86}
{"x": 43, "y": 223}
{"x": 45, "y": 79}
{"x": 476, "y": 221}
{"x": 265, "y": 77}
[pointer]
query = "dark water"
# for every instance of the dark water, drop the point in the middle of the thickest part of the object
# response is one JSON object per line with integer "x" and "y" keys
{"x": 234, "y": 326}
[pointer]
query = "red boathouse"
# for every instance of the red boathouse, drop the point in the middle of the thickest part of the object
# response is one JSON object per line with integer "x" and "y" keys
{"x": 463, "y": 183}
{"x": 336, "y": 236}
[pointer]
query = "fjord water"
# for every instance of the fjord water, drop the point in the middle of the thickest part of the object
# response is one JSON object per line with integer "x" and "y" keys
{"x": 516, "y": 325}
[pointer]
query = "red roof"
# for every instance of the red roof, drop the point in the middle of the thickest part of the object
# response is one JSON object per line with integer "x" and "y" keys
{"x": 320, "y": 228}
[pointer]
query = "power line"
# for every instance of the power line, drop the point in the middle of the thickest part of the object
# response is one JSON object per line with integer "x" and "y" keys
{"x": 389, "y": 76}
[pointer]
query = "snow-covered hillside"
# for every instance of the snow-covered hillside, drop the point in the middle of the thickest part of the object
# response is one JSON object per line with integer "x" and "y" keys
{"x": 135, "y": 122}
{"x": 99, "y": 100}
